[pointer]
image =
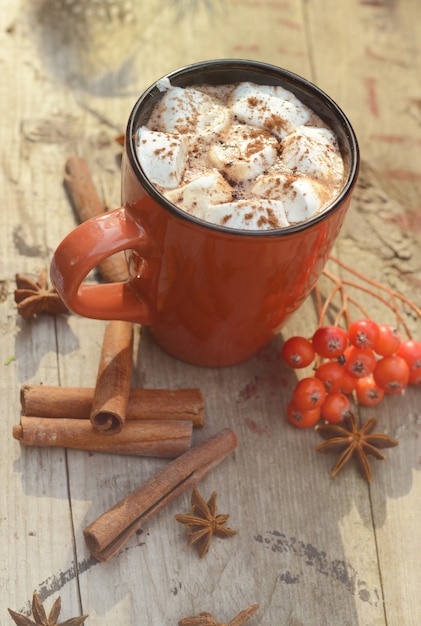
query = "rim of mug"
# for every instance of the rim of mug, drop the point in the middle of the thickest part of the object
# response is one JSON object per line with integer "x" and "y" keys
{"x": 292, "y": 81}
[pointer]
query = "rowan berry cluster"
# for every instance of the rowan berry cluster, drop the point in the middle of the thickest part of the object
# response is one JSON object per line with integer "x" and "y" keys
{"x": 366, "y": 362}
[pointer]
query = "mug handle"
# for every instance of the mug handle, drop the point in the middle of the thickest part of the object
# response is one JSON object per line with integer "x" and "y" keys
{"x": 82, "y": 250}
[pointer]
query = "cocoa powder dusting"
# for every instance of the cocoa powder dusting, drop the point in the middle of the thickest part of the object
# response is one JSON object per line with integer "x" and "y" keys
{"x": 254, "y": 141}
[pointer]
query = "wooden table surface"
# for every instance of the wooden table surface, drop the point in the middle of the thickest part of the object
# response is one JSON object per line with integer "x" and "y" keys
{"x": 311, "y": 550}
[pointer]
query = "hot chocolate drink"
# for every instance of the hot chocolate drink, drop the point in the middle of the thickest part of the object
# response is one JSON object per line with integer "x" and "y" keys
{"x": 224, "y": 142}
{"x": 244, "y": 156}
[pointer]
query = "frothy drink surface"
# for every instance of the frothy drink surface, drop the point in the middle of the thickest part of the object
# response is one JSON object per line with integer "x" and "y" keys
{"x": 245, "y": 156}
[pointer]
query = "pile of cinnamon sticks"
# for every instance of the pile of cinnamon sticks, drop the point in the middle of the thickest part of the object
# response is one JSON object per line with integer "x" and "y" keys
{"x": 115, "y": 418}
{"x": 111, "y": 417}
{"x": 159, "y": 422}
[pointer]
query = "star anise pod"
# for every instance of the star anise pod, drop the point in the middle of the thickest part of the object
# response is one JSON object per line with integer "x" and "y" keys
{"x": 351, "y": 440}
{"x": 40, "y": 616}
{"x": 204, "y": 522}
{"x": 206, "y": 619}
{"x": 36, "y": 297}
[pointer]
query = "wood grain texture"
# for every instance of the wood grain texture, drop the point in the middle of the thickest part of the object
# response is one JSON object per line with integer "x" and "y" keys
{"x": 310, "y": 550}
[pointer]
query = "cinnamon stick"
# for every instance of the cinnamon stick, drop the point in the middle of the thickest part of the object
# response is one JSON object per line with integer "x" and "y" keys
{"x": 107, "y": 534}
{"x": 86, "y": 203}
{"x": 76, "y": 403}
{"x": 109, "y": 404}
{"x": 157, "y": 438}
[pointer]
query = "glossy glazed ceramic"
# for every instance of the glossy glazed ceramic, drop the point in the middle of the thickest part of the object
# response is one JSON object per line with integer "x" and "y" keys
{"x": 210, "y": 295}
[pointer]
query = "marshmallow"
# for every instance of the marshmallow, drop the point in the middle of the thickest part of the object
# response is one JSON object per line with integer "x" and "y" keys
{"x": 162, "y": 156}
{"x": 257, "y": 214}
{"x": 244, "y": 89}
{"x": 197, "y": 195}
{"x": 254, "y": 106}
{"x": 190, "y": 111}
{"x": 314, "y": 152}
{"x": 250, "y": 157}
{"x": 302, "y": 197}
{"x": 244, "y": 153}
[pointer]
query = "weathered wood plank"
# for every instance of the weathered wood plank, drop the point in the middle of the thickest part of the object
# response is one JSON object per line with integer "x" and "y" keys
{"x": 371, "y": 68}
{"x": 37, "y": 533}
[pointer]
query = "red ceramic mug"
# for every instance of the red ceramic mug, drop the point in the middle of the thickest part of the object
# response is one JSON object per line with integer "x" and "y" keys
{"x": 210, "y": 295}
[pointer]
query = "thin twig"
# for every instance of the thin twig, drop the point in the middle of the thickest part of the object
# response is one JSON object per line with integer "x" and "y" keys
{"x": 374, "y": 283}
{"x": 339, "y": 289}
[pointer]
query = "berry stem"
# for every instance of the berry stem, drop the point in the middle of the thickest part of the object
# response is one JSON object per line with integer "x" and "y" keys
{"x": 340, "y": 285}
{"x": 391, "y": 306}
{"x": 391, "y": 292}
{"x": 323, "y": 307}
